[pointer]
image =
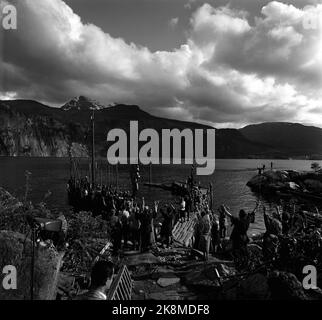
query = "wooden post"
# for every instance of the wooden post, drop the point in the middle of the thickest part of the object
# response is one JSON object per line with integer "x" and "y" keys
{"x": 101, "y": 173}
{"x": 211, "y": 197}
{"x": 109, "y": 174}
{"x": 117, "y": 177}
{"x": 93, "y": 149}
{"x": 106, "y": 175}
{"x": 150, "y": 173}
{"x": 150, "y": 168}
{"x": 89, "y": 171}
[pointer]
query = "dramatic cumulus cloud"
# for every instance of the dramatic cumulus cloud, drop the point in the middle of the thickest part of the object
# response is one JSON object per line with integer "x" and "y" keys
{"x": 233, "y": 69}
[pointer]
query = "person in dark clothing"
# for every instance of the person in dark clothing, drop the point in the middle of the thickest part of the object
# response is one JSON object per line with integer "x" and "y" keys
{"x": 286, "y": 221}
{"x": 167, "y": 225}
{"x": 116, "y": 226}
{"x": 134, "y": 228}
{"x": 222, "y": 224}
{"x": 240, "y": 227}
{"x": 239, "y": 235}
{"x": 215, "y": 236}
{"x": 205, "y": 234}
{"x": 145, "y": 221}
{"x": 124, "y": 215}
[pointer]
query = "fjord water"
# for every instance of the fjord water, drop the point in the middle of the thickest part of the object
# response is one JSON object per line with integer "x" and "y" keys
{"x": 229, "y": 180}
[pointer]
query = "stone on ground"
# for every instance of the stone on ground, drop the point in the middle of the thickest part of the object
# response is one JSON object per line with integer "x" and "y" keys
{"x": 165, "y": 282}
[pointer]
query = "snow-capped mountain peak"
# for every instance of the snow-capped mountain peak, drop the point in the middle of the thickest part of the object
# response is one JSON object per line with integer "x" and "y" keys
{"x": 82, "y": 103}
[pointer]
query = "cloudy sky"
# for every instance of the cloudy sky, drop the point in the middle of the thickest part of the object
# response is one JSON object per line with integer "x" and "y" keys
{"x": 224, "y": 63}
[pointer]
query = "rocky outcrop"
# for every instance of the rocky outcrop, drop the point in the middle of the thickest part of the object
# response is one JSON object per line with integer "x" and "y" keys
{"x": 287, "y": 181}
{"x": 38, "y": 135}
{"x": 285, "y": 286}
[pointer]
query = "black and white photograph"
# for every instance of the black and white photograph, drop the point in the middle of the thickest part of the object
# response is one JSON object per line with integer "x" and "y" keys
{"x": 166, "y": 151}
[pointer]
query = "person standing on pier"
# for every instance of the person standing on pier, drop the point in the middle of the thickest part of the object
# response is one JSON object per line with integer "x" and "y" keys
{"x": 135, "y": 177}
{"x": 145, "y": 228}
{"x": 215, "y": 235}
{"x": 167, "y": 224}
{"x": 146, "y": 219}
{"x": 182, "y": 210}
{"x": 125, "y": 223}
{"x": 134, "y": 228}
{"x": 222, "y": 224}
{"x": 116, "y": 232}
{"x": 205, "y": 234}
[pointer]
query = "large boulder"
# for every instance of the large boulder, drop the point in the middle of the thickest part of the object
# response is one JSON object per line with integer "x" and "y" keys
{"x": 254, "y": 287}
{"x": 209, "y": 274}
{"x": 277, "y": 185}
{"x": 285, "y": 286}
{"x": 274, "y": 176}
{"x": 313, "y": 185}
{"x": 293, "y": 175}
{"x": 292, "y": 185}
{"x": 257, "y": 182}
{"x": 16, "y": 250}
{"x": 269, "y": 180}
{"x": 165, "y": 282}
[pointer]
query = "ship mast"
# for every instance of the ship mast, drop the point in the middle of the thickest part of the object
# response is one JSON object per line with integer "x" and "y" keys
{"x": 93, "y": 149}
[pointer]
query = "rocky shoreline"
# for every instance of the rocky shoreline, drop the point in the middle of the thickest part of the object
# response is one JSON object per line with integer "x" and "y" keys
{"x": 288, "y": 182}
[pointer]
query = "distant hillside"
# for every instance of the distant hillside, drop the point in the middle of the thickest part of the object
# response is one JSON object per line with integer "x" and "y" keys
{"x": 29, "y": 128}
{"x": 292, "y": 138}
{"x": 230, "y": 143}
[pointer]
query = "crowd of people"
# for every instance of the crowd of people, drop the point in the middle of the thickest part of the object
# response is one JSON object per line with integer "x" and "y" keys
{"x": 211, "y": 229}
{"x": 138, "y": 226}
{"x": 100, "y": 199}
{"x": 134, "y": 224}
{"x": 282, "y": 225}
{"x": 290, "y": 236}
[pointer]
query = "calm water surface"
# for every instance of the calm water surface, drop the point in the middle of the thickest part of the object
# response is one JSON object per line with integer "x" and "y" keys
{"x": 229, "y": 180}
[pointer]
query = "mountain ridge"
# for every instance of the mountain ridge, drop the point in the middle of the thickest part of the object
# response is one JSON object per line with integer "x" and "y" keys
{"x": 62, "y": 131}
{"x": 294, "y": 138}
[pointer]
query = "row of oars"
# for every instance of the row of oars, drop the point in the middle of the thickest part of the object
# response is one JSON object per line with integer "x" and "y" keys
{"x": 111, "y": 172}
